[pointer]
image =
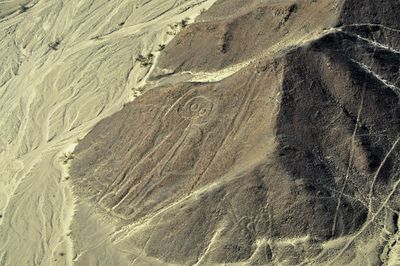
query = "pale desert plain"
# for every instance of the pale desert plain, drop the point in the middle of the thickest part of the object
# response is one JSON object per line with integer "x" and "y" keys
{"x": 50, "y": 98}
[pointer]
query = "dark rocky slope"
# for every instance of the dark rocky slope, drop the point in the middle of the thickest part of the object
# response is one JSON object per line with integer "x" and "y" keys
{"x": 291, "y": 160}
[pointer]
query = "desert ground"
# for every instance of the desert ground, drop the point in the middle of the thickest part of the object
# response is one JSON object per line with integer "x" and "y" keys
{"x": 199, "y": 132}
{"x": 64, "y": 67}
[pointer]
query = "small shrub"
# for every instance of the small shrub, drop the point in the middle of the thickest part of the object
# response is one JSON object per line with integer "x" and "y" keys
{"x": 145, "y": 60}
{"x": 184, "y": 22}
{"x": 161, "y": 47}
{"x": 23, "y": 8}
{"x": 54, "y": 45}
{"x": 67, "y": 157}
{"x": 174, "y": 28}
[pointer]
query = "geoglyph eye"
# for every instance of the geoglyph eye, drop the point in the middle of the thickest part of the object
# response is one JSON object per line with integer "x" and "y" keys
{"x": 203, "y": 112}
{"x": 197, "y": 109}
{"x": 194, "y": 107}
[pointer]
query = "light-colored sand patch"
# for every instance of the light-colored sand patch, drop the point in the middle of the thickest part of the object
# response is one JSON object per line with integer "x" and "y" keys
{"x": 65, "y": 66}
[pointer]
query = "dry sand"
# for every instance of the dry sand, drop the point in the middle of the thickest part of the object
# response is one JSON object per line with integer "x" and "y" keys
{"x": 65, "y": 65}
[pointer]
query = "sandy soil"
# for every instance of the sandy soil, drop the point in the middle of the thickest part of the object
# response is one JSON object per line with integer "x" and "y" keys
{"x": 63, "y": 67}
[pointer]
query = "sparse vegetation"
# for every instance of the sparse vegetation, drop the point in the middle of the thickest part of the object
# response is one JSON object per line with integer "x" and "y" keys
{"x": 145, "y": 60}
{"x": 23, "y": 8}
{"x": 184, "y": 22}
{"x": 173, "y": 28}
{"x": 161, "y": 47}
{"x": 54, "y": 45}
{"x": 137, "y": 91}
{"x": 67, "y": 157}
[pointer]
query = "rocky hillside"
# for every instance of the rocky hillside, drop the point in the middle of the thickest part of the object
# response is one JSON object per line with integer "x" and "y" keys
{"x": 268, "y": 135}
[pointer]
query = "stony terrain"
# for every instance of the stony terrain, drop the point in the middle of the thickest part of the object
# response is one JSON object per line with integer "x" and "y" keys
{"x": 267, "y": 133}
